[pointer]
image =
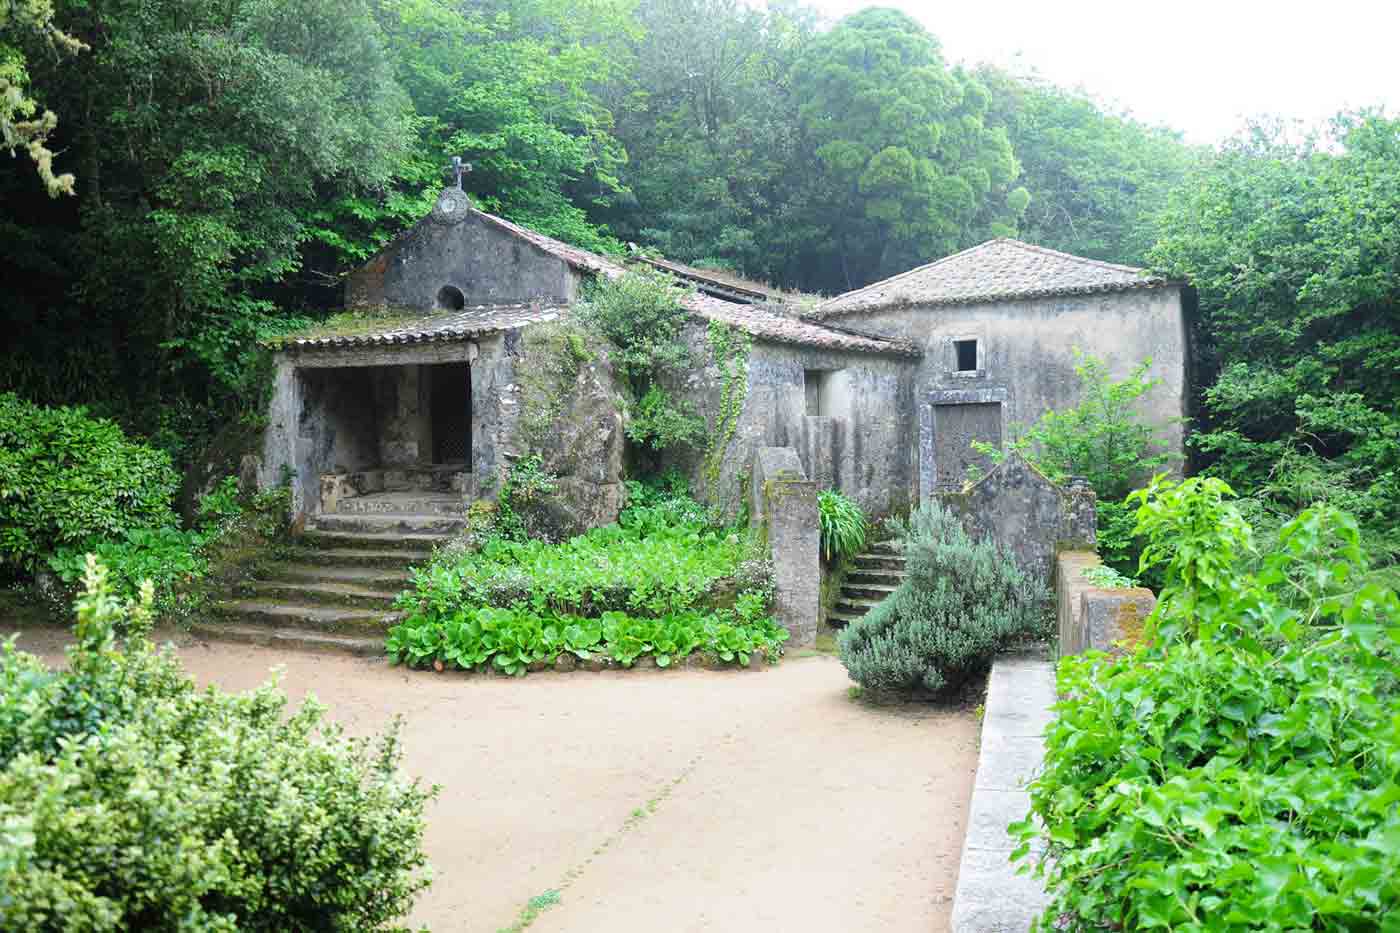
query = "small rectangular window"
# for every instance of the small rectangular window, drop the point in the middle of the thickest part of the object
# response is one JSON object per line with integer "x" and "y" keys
{"x": 966, "y": 352}
{"x": 814, "y": 385}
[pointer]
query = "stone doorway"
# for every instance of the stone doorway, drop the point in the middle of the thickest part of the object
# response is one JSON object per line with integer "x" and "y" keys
{"x": 450, "y": 407}
{"x": 948, "y": 424}
{"x": 955, "y": 427}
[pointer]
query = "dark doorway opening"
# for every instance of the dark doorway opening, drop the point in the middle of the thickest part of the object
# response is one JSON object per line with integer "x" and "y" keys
{"x": 451, "y": 408}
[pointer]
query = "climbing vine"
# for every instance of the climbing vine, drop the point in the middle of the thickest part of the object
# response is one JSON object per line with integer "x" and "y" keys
{"x": 730, "y": 348}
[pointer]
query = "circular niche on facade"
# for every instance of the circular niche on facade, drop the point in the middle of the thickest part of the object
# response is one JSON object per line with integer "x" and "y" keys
{"x": 450, "y": 298}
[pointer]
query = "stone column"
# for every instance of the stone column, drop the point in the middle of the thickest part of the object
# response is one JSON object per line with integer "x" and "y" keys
{"x": 785, "y": 501}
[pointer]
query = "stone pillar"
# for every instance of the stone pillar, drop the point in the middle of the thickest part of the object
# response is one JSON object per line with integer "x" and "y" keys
{"x": 1081, "y": 522}
{"x": 279, "y": 454}
{"x": 785, "y": 501}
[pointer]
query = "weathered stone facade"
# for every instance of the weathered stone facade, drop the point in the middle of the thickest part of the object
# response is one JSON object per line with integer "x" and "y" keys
{"x": 857, "y": 443}
{"x": 1026, "y": 358}
{"x": 1094, "y": 618}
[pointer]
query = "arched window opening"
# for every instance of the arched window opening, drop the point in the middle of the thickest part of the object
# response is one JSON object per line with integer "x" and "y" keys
{"x": 450, "y": 298}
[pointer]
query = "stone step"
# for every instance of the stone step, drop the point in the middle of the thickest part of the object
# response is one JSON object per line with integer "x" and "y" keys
{"x": 404, "y": 503}
{"x": 363, "y": 622}
{"x": 293, "y": 638}
{"x": 885, "y": 547}
{"x": 873, "y": 591}
{"x": 335, "y": 555}
{"x": 407, "y": 524}
{"x": 331, "y": 593}
{"x": 374, "y": 578}
{"x": 856, "y": 606}
{"x": 838, "y": 619}
{"x": 422, "y": 542}
{"x": 871, "y": 561}
{"x": 878, "y": 577}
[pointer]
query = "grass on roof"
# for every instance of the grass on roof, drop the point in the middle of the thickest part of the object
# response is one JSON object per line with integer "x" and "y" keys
{"x": 360, "y": 322}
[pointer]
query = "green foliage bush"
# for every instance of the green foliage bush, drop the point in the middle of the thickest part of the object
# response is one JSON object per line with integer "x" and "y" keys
{"x": 843, "y": 524}
{"x": 1239, "y": 772}
{"x": 66, "y": 477}
{"x": 961, "y": 602}
{"x": 660, "y": 582}
{"x": 173, "y": 560}
{"x": 641, "y": 315}
{"x": 131, "y": 799}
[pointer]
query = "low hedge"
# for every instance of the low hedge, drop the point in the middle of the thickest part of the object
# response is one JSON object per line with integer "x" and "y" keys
{"x": 662, "y": 583}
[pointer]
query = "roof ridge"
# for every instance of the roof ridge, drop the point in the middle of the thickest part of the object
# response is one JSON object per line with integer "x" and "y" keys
{"x": 1085, "y": 260}
{"x": 901, "y": 275}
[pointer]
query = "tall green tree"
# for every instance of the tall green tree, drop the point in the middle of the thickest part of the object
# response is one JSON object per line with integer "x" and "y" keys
{"x": 203, "y": 133}
{"x": 896, "y": 164}
{"x": 707, "y": 118}
{"x": 1292, "y": 247}
{"x": 1096, "y": 178}
{"x": 513, "y": 86}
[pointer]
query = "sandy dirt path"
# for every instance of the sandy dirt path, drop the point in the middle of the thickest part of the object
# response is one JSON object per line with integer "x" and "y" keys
{"x": 677, "y": 801}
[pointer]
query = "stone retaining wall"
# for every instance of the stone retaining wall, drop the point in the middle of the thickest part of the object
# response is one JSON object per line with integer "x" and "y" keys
{"x": 1092, "y": 617}
{"x": 991, "y": 897}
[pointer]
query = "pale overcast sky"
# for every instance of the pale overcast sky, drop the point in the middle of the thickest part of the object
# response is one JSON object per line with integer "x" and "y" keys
{"x": 1197, "y": 66}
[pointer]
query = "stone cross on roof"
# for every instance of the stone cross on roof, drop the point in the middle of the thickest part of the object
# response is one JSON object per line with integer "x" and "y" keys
{"x": 457, "y": 169}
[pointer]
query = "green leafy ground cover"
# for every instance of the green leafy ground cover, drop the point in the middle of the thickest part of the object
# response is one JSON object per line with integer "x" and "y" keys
{"x": 1241, "y": 770}
{"x": 661, "y": 583}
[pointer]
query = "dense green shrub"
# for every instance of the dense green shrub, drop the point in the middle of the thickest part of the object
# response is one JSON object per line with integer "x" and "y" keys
{"x": 174, "y": 560}
{"x": 843, "y": 524}
{"x": 961, "y": 602}
{"x": 1241, "y": 771}
{"x": 66, "y": 477}
{"x": 664, "y": 499}
{"x": 131, "y": 799}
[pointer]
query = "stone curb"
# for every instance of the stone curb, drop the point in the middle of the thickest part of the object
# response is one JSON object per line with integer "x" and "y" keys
{"x": 991, "y": 897}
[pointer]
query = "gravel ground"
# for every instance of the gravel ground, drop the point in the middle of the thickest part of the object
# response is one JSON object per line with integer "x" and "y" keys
{"x": 650, "y": 800}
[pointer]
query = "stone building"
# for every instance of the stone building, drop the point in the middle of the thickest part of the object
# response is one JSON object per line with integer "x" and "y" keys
{"x": 879, "y": 391}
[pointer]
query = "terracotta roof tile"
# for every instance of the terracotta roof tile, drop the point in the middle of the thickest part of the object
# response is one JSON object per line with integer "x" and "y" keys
{"x": 997, "y": 270}
{"x": 767, "y": 324}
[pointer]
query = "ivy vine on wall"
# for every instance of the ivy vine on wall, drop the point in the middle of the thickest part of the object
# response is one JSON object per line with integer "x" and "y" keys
{"x": 730, "y": 348}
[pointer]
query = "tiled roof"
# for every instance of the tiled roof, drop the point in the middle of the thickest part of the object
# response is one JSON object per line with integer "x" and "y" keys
{"x": 715, "y": 283}
{"x": 421, "y": 327}
{"x": 578, "y": 258}
{"x": 766, "y": 324}
{"x": 997, "y": 270}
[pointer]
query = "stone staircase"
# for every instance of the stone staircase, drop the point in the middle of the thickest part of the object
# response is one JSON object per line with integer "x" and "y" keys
{"x": 334, "y": 590}
{"x": 875, "y": 575}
